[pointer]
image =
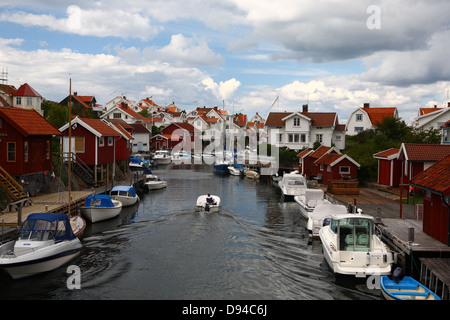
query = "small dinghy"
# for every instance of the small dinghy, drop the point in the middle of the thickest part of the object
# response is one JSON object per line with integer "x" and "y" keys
{"x": 405, "y": 288}
{"x": 208, "y": 203}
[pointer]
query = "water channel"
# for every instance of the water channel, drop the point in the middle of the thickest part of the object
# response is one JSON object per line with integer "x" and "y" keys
{"x": 254, "y": 248}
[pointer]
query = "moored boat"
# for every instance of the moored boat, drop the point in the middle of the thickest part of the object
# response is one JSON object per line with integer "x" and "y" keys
{"x": 406, "y": 288}
{"x": 152, "y": 182}
{"x": 162, "y": 157}
{"x": 78, "y": 225}
{"x": 308, "y": 201}
{"x": 292, "y": 184}
{"x": 125, "y": 194}
{"x": 100, "y": 207}
{"x": 208, "y": 203}
{"x": 236, "y": 169}
{"x": 46, "y": 242}
{"x": 252, "y": 174}
{"x": 351, "y": 246}
{"x": 323, "y": 209}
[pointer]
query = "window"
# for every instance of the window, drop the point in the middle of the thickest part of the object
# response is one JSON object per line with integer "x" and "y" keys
{"x": 359, "y": 129}
{"x": 319, "y": 137}
{"x": 79, "y": 144}
{"x": 117, "y": 115}
{"x": 280, "y": 137}
{"x": 25, "y": 151}
{"x": 11, "y": 151}
{"x": 359, "y": 117}
{"x": 329, "y": 168}
{"x": 102, "y": 141}
{"x": 293, "y": 137}
{"x": 110, "y": 141}
{"x": 29, "y": 101}
{"x": 344, "y": 170}
{"x": 338, "y": 138}
{"x": 19, "y": 101}
{"x": 303, "y": 137}
{"x": 446, "y": 135}
{"x": 296, "y": 122}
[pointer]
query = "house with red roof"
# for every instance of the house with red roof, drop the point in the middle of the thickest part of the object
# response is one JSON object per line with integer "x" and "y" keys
{"x": 25, "y": 141}
{"x": 389, "y": 167}
{"x": 299, "y": 130}
{"x": 308, "y": 157}
{"x": 28, "y": 98}
{"x": 446, "y": 133}
{"x": 435, "y": 182}
{"x": 367, "y": 118}
{"x": 184, "y": 133}
{"x": 122, "y": 111}
{"x": 141, "y": 135}
{"x": 432, "y": 118}
{"x": 165, "y": 141}
{"x": 333, "y": 166}
{"x": 93, "y": 142}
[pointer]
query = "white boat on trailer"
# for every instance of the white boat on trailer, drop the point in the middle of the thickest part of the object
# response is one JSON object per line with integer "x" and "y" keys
{"x": 351, "y": 246}
{"x": 208, "y": 203}
{"x": 46, "y": 242}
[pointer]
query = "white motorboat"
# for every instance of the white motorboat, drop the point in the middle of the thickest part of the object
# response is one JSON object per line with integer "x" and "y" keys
{"x": 125, "y": 194}
{"x": 100, "y": 207}
{"x": 236, "y": 169}
{"x": 308, "y": 201}
{"x": 323, "y": 209}
{"x": 181, "y": 157}
{"x": 46, "y": 242}
{"x": 162, "y": 157}
{"x": 208, "y": 203}
{"x": 292, "y": 184}
{"x": 351, "y": 246}
{"x": 152, "y": 182}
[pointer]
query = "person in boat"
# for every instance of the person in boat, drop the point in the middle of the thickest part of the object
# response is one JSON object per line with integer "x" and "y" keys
{"x": 209, "y": 199}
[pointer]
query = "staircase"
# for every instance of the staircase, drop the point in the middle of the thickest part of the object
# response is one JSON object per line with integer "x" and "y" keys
{"x": 11, "y": 186}
{"x": 80, "y": 168}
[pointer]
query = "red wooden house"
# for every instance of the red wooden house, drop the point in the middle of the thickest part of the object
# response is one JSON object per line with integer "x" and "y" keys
{"x": 25, "y": 141}
{"x": 165, "y": 141}
{"x": 174, "y": 134}
{"x": 389, "y": 167}
{"x": 308, "y": 158}
{"x": 93, "y": 142}
{"x": 333, "y": 166}
{"x": 435, "y": 181}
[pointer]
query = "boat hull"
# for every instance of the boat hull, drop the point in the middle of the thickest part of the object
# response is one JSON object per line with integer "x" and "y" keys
{"x": 126, "y": 201}
{"x": 165, "y": 160}
{"x": 154, "y": 185}
{"x": 406, "y": 289}
{"x": 41, "y": 260}
{"x": 203, "y": 206}
{"x": 96, "y": 214}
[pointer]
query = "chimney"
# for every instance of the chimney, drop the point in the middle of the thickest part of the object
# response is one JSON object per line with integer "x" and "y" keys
{"x": 366, "y": 105}
{"x": 75, "y": 93}
{"x": 448, "y": 104}
{"x": 305, "y": 108}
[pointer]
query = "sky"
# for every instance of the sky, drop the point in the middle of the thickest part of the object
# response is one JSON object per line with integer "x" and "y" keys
{"x": 247, "y": 56}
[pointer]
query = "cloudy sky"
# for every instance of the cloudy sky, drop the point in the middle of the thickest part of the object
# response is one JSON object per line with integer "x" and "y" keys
{"x": 333, "y": 55}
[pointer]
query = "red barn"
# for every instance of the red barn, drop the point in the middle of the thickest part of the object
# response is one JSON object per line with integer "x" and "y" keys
{"x": 435, "y": 181}
{"x": 25, "y": 141}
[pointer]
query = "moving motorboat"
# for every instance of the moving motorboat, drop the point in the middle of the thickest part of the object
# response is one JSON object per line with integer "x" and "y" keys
{"x": 308, "y": 201}
{"x": 152, "y": 182}
{"x": 405, "y": 288}
{"x": 162, "y": 157}
{"x": 208, "y": 203}
{"x": 323, "y": 210}
{"x": 125, "y": 194}
{"x": 351, "y": 246}
{"x": 100, "y": 207}
{"x": 292, "y": 184}
{"x": 46, "y": 242}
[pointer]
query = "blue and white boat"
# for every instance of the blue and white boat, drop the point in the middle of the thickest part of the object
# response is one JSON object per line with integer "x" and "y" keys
{"x": 406, "y": 288}
{"x": 45, "y": 243}
{"x": 236, "y": 169}
{"x": 136, "y": 164}
{"x": 125, "y": 194}
{"x": 100, "y": 207}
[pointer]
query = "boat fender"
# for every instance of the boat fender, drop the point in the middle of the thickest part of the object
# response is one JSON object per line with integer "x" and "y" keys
{"x": 397, "y": 275}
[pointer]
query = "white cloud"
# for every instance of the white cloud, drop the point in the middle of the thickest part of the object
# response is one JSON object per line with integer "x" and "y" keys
{"x": 224, "y": 90}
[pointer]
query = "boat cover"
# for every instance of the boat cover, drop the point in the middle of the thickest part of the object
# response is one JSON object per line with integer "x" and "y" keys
{"x": 129, "y": 189}
{"x": 136, "y": 160}
{"x": 57, "y": 223}
{"x": 99, "y": 200}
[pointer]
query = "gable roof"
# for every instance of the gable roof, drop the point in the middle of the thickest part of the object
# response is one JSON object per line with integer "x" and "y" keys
{"x": 26, "y": 90}
{"x": 318, "y": 119}
{"x": 378, "y": 114}
{"x": 424, "y": 152}
{"x": 305, "y": 153}
{"x": 332, "y": 159}
{"x": 424, "y": 111}
{"x": 27, "y": 121}
{"x": 435, "y": 178}
{"x": 97, "y": 127}
{"x": 388, "y": 154}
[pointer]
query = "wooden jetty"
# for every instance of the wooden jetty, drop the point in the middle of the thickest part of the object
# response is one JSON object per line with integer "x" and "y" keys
{"x": 54, "y": 202}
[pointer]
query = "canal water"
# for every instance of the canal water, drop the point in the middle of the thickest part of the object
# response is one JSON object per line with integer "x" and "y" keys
{"x": 254, "y": 248}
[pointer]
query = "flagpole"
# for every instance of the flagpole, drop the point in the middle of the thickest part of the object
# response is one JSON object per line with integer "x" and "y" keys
{"x": 70, "y": 140}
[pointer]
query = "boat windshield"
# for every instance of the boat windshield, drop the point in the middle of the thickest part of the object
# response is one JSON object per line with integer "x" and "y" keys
{"x": 354, "y": 233}
{"x": 38, "y": 230}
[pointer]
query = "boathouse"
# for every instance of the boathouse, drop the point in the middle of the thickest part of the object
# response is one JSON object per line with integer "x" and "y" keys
{"x": 389, "y": 167}
{"x": 188, "y": 133}
{"x": 435, "y": 181}
{"x": 93, "y": 144}
{"x": 334, "y": 166}
{"x": 308, "y": 165}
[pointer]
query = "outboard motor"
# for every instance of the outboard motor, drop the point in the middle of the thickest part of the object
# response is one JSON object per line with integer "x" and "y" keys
{"x": 207, "y": 207}
{"x": 397, "y": 275}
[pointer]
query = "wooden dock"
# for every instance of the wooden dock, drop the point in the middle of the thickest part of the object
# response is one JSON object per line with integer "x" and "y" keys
{"x": 54, "y": 202}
